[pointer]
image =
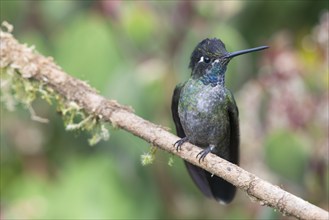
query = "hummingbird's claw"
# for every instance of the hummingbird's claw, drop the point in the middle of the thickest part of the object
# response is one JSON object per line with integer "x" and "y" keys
{"x": 204, "y": 153}
{"x": 178, "y": 144}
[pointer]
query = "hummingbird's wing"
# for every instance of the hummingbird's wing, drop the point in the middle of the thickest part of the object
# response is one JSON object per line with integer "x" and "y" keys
{"x": 198, "y": 175}
{"x": 233, "y": 113}
{"x": 174, "y": 110}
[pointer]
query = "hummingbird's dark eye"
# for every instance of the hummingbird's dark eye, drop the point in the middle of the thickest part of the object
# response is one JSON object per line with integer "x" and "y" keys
{"x": 206, "y": 59}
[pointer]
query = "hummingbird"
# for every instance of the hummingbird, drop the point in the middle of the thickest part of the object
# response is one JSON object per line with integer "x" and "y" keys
{"x": 206, "y": 115}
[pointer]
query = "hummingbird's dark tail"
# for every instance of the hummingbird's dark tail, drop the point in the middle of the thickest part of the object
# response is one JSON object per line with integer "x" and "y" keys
{"x": 212, "y": 186}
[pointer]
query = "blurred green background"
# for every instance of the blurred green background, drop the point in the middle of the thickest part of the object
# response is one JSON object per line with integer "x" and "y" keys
{"x": 136, "y": 52}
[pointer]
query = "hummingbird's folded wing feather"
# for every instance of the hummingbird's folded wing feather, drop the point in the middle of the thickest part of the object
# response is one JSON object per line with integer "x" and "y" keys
{"x": 233, "y": 113}
{"x": 174, "y": 110}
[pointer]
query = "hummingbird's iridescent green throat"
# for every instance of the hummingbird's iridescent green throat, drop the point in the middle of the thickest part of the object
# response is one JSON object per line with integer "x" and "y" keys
{"x": 205, "y": 114}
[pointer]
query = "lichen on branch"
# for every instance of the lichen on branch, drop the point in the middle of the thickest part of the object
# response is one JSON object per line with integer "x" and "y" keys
{"x": 18, "y": 86}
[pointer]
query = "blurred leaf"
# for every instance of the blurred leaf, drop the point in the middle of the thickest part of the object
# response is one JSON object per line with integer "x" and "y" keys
{"x": 85, "y": 189}
{"x": 58, "y": 11}
{"x": 93, "y": 191}
{"x": 87, "y": 50}
{"x": 27, "y": 198}
{"x": 139, "y": 23}
{"x": 12, "y": 11}
{"x": 285, "y": 154}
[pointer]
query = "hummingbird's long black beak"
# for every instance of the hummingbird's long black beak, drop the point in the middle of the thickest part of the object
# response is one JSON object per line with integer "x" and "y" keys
{"x": 240, "y": 52}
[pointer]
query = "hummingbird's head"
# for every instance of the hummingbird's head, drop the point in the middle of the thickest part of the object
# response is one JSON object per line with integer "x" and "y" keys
{"x": 205, "y": 54}
{"x": 210, "y": 55}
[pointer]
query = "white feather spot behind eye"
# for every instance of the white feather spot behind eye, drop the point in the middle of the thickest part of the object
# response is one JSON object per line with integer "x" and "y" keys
{"x": 201, "y": 59}
{"x": 216, "y": 61}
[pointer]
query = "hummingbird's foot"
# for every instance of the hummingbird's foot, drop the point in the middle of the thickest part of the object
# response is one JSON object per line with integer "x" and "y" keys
{"x": 178, "y": 144}
{"x": 204, "y": 153}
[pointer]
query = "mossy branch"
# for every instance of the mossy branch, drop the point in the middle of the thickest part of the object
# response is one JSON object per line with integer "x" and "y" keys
{"x": 30, "y": 67}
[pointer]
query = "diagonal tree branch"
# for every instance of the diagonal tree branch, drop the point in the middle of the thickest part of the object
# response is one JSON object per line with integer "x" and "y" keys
{"x": 31, "y": 65}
